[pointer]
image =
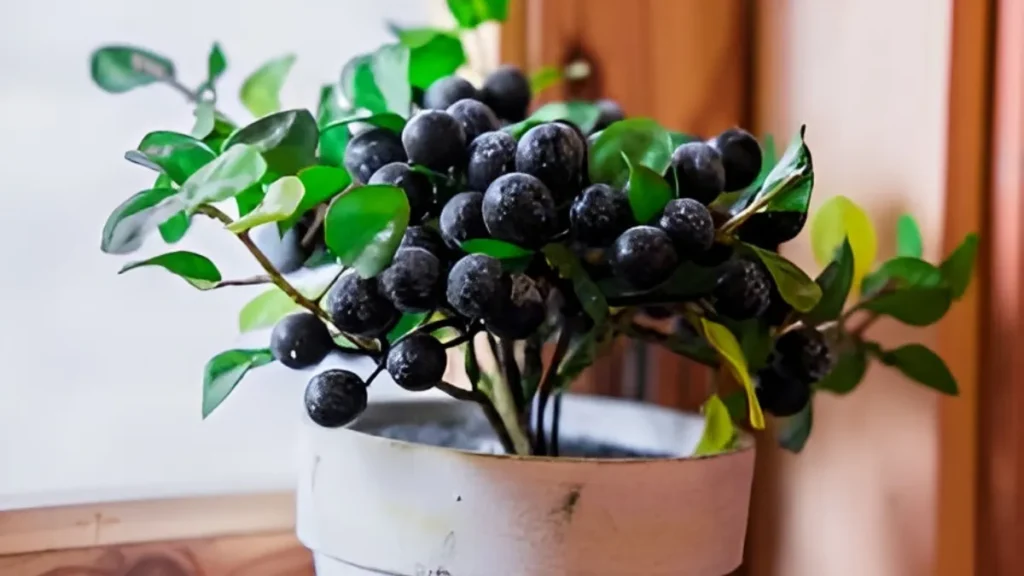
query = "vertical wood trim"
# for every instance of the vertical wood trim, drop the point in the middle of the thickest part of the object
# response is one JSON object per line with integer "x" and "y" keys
{"x": 960, "y": 333}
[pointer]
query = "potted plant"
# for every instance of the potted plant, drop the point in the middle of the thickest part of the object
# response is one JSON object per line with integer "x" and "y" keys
{"x": 434, "y": 213}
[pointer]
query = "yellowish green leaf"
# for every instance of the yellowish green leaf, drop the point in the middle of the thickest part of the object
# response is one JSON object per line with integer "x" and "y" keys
{"x": 732, "y": 356}
{"x": 839, "y": 218}
{"x": 719, "y": 431}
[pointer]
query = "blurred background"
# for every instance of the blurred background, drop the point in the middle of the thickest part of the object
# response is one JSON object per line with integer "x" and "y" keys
{"x": 101, "y": 373}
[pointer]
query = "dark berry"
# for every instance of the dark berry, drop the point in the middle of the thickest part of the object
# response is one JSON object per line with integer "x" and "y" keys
{"x": 474, "y": 117}
{"x": 335, "y": 398}
{"x": 778, "y": 309}
{"x": 300, "y": 340}
{"x": 417, "y": 362}
{"x": 609, "y": 113}
{"x": 522, "y": 313}
{"x": 417, "y": 186}
{"x": 696, "y": 172}
{"x": 413, "y": 281}
{"x": 370, "y": 151}
{"x": 688, "y": 223}
{"x": 742, "y": 290}
{"x": 433, "y": 138}
{"x": 715, "y": 256}
{"x": 770, "y": 229}
{"x": 286, "y": 252}
{"x": 802, "y": 355}
{"x": 552, "y": 153}
{"x": 356, "y": 306}
{"x": 424, "y": 237}
{"x": 584, "y": 146}
{"x": 477, "y": 286}
{"x": 518, "y": 208}
{"x": 600, "y": 214}
{"x": 462, "y": 219}
{"x": 741, "y": 158}
{"x": 447, "y": 91}
{"x": 644, "y": 257}
{"x": 491, "y": 155}
{"x": 507, "y": 92}
{"x": 779, "y": 395}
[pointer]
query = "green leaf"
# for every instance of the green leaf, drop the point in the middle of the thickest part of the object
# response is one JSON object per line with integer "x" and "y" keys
{"x": 177, "y": 155}
{"x": 195, "y": 269}
{"x": 642, "y": 140}
{"x": 281, "y": 200}
{"x": 908, "y": 237}
{"x": 216, "y": 63}
{"x": 495, "y": 249}
{"x": 583, "y": 350}
{"x": 794, "y": 430}
{"x": 365, "y": 225}
{"x": 719, "y": 431}
{"x": 229, "y": 174}
{"x": 795, "y": 173}
{"x": 959, "y": 267}
{"x": 847, "y": 372}
{"x": 472, "y": 365}
{"x": 903, "y": 272}
{"x": 796, "y": 288}
{"x": 287, "y": 140}
{"x": 321, "y": 183}
{"x": 206, "y": 120}
{"x": 839, "y": 219}
{"x": 433, "y": 54}
{"x": 471, "y": 13}
{"x": 583, "y": 114}
{"x": 261, "y": 91}
{"x": 379, "y": 82}
{"x": 329, "y": 109}
{"x": 755, "y": 340}
{"x": 736, "y": 403}
{"x": 174, "y": 228}
{"x": 588, "y": 293}
{"x": 119, "y": 69}
{"x": 248, "y": 199}
{"x": 913, "y": 306}
{"x": 407, "y": 323}
{"x": 732, "y": 202}
{"x": 225, "y": 370}
{"x": 265, "y": 310}
{"x": 919, "y": 363}
{"x": 732, "y": 356}
{"x": 544, "y": 78}
{"x": 835, "y": 282}
{"x": 647, "y": 191}
{"x": 127, "y": 226}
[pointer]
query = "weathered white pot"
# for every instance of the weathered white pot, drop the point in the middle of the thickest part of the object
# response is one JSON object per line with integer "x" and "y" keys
{"x": 372, "y": 505}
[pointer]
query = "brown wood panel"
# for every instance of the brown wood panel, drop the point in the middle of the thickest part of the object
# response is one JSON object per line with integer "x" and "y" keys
{"x": 258, "y": 555}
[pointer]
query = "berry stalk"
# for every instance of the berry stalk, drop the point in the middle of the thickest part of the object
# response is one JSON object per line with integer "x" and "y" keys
{"x": 546, "y": 385}
{"x": 733, "y": 223}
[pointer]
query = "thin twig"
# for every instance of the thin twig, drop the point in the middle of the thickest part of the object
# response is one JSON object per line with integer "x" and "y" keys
{"x": 318, "y": 220}
{"x": 192, "y": 96}
{"x": 759, "y": 203}
{"x": 251, "y": 281}
{"x": 556, "y": 417}
{"x": 512, "y": 374}
{"x": 547, "y": 382}
{"x": 489, "y": 411}
{"x": 459, "y": 341}
{"x": 455, "y": 323}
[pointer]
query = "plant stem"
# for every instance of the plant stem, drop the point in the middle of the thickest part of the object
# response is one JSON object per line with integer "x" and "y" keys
{"x": 512, "y": 374}
{"x": 489, "y": 411}
{"x": 759, "y": 203}
{"x": 275, "y": 276}
{"x": 318, "y": 220}
{"x": 556, "y": 417}
{"x": 192, "y": 96}
{"x": 446, "y": 323}
{"x": 251, "y": 281}
{"x": 547, "y": 382}
{"x": 459, "y": 341}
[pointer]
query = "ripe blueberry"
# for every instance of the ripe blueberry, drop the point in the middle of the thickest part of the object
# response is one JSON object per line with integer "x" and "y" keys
{"x": 426, "y": 238}
{"x": 334, "y": 398}
{"x": 644, "y": 257}
{"x": 696, "y": 172}
{"x": 300, "y": 340}
{"x": 462, "y": 219}
{"x": 474, "y": 117}
{"x": 507, "y": 92}
{"x": 518, "y": 208}
{"x": 433, "y": 138}
{"x": 552, "y": 153}
{"x": 779, "y": 395}
{"x": 802, "y": 355}
{"x": 477, "y": 286}
{"x": 356, "y": 306}
{"x": 369, "y": 151}
{"x": 688, "y": 223}
{"x": 600, "y": 214}
{"x": 522, "y": 313}
{"x": 741, "y": 157}
{"x": 769, "y": 229}
{"x": 742, "y": 290}
{"x": 716, "y": 255}
{"x": 417, "y": 186}
{"x": 609, "y": 113}
{"x": 413, "y": 280}
{"x": 417, "y": 362}
{"x": 447, "y": 91}
{"x": 491, "y": 154}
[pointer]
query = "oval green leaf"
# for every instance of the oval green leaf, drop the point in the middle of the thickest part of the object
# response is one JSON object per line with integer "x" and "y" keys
{"x": 216, "y": 64}
{"x": 583, "y": 114}
{"x": 224, "y": 371}
{"x": 588, "y": 293}
{"x": 544, "y": 78}
{"x": 280, "y": 201}
{"x": 795, "y": 286}
{"x": 193, "y": 268}
{"x": 847, "y": 372}
{"x": 227, "y": 176}
{"x": 495, "y": 249}
{"x": 206, "y": 119}
{"x": 321, "y": 184}
{"x": 248, "y": 199}
{"x": 908, "y": 237}
{"x": 407, "y": 323}
{"x": 433, "y": 54}
{"x": 959, "y": 267}
{"x": 642, "y": 140}
{"x": 265, "y": 310}
{"x": 379, "y": 82}
{"x": 919, "y": 363}
{"x": 261, "y": 91}
{"x": 913, "y": 306}
{"x": 472, "y": 13}
{"x": 647, "y": 191}
{"x": 791, "y": 180}
{"x": 902, "y": 272}
{"x": 838, "y": 219}
{"x": 177, "y": 155}
{"x": 793, "y": 431}
{"x": 129, "y": 224}
{"x": 287, "y": 140}
{"x": 119, "y": 69}
{"x": 835, "y": 282}
{"x": 719, "y": 431}
{"x": 174, "y": 228}
{"x": 365, "y": 225}
{"x": 722, "y": 340}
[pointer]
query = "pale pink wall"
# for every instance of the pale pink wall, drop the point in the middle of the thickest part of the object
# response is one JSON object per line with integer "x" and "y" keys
{"x": 869, "y": 78}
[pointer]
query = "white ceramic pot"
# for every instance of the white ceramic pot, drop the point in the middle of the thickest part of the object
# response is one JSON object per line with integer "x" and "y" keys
{"x": 372, "y": 505}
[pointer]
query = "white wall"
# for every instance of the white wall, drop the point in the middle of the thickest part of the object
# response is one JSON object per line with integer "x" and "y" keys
{"x": 100, "y": 375}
